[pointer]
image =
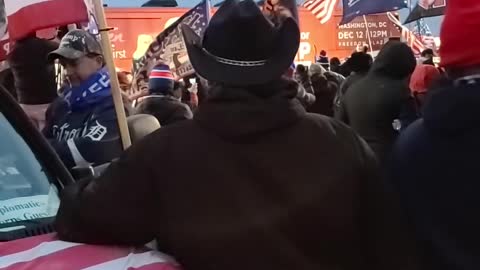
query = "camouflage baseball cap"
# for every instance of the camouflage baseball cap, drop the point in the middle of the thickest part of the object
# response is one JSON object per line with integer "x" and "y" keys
{"x": 76, "y": 44}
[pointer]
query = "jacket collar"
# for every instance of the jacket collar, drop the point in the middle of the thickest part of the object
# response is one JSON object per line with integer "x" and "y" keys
{"x": 238, "y": 115}
{"x": 453, "y": 106}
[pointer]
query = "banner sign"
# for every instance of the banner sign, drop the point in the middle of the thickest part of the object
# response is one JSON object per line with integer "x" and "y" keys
{"x": 355, "y": 8}
{"x": 427, "y": 8}
{"x": 377, "y": 29}
{"x": 169, "y": 48}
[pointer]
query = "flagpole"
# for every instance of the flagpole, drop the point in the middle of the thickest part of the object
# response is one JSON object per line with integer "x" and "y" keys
{"x": 115, "y": 85}
{"x": 368, "y": 33}
{"x": 209, "y": 10}
{"x": 409, "y": 12}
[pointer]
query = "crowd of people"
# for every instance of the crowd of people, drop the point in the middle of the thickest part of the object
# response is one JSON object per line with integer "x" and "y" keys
{"x": 365, "y": 164}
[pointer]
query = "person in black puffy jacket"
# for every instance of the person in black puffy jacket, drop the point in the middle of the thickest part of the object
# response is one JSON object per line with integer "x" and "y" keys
{"x": 164, "y": 99}
{"x": 82, "y": 124}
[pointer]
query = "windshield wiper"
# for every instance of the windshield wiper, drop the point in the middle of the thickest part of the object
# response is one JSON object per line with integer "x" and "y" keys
{"x": 26, "y": 228}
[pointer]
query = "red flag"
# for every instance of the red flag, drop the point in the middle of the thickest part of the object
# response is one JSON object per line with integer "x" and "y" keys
{"x": 27, "y": 16}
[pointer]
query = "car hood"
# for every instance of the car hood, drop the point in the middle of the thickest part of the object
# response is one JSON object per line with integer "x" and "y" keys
{"x": 47, "y": 252}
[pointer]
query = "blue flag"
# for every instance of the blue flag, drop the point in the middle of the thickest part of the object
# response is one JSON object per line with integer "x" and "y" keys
{"x": 354, "y": 8}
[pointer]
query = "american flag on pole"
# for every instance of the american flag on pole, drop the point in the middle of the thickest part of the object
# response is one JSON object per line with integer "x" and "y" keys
{"x": 321, "y": 9}
{"x": 46, "y": 252}
{"x": 422, "y": 30}
{"x": 409, "y": 37}
{"x": 18, "y": 18}
{"x": 414, "y": 41}
{"x": 27, "y": 16}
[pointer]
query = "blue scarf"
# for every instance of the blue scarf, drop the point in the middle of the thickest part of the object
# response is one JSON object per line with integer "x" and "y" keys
{"x": 90, "y": 92}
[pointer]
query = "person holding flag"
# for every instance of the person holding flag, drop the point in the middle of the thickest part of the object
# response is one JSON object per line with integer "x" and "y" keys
{"x": 82, "y": 124}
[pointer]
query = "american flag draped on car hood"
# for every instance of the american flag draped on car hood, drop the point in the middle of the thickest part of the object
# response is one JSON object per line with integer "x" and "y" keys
{"x": 47, "y": 252}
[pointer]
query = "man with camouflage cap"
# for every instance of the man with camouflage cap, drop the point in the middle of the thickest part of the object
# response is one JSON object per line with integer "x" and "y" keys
{"x": 82, "y": 124}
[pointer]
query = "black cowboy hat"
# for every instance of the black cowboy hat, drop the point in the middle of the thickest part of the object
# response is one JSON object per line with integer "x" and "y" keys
{"x": 241, "y": 46}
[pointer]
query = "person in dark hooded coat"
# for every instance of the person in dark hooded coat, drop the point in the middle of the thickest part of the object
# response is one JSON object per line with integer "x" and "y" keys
{"x": 237, "y": 188}
{"x": 359, "y": 64}
{"x": 374, "y": 104}
{"x": 434, "y": 166}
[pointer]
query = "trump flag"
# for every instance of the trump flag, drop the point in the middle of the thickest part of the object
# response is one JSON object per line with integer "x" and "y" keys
{"x": 354, "y": 8}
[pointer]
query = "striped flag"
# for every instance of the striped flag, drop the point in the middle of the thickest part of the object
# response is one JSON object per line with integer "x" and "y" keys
{"x": 27, "y": 16}
{"x": 414, "y": 41}
{"x": 46, "y": 252}
{"x": 409, "y": 37}
{"x": 321, "y": 9}
{"x": 422, "y": 30}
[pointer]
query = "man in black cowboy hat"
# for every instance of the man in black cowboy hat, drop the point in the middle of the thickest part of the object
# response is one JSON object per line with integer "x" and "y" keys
{"x": 253, "y": 181}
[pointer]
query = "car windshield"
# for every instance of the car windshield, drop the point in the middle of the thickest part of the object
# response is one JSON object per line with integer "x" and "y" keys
{"x": 26, "y": 192}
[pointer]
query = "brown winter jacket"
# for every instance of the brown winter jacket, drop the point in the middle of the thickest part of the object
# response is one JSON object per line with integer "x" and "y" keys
{"x": 250, "y": 183}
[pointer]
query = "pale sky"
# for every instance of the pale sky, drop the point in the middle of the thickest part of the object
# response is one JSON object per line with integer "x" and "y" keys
{"x": 433, "y": 23}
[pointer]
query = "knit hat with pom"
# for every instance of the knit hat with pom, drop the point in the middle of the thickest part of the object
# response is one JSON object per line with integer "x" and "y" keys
{"x": 161, "y": 80}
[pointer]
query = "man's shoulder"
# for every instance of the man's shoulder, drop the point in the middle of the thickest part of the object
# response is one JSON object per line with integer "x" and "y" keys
{"x": 341, "y": 135}
{"x": 326, "y": 122}
{"x": 170, "y": 136}
{"x": 335, "y": 129}
{"x": 58, "y": 107}
{"x": 107, "y": 107}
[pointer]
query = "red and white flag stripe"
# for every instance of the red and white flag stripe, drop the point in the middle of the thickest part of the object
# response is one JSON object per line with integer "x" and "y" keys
{"x": 321, "y": 9}
{"x": 416, "y": 43}
{"x": 46, "y": 252}
{"x": 161, "y": 74}
{"x": 27, "y": 16}
{"x": 413, "y": 41}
